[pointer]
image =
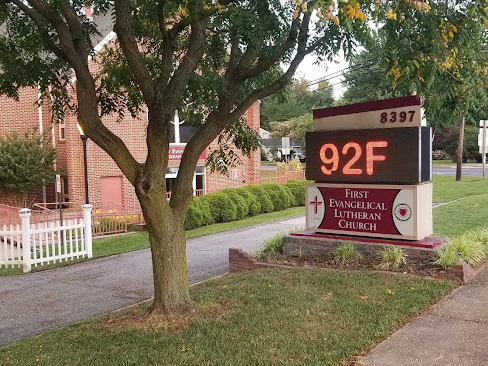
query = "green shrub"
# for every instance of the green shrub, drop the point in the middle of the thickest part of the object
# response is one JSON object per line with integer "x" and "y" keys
{"x": 297, "y": 187}
{"x": 479, "y": 235}
{"x": 470, "y": 248}
{"x": 293, "y": 200}
{"x": 207, "y": 215}
{"x": 447, "y": 256}
{"x": 272, "y": 246}
{"x": 194, "y": 215}
{"x": 345, "y": 252}
{"x": 221, "y": 207}
{"x": 392, "y": 257}
{"x": 278, "y": 195}
{"x": 262, "y": 197}
{"x": 251, "y": 199}
{"x": 198, "y": 214}
{"x": 242, "y": 206}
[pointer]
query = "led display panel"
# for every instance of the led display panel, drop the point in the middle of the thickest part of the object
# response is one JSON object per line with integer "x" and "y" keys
{"x": 396, "y": 155}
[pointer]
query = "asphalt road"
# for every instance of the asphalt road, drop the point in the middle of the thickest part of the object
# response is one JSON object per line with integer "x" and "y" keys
{"x": 34, "y": 303}
{"x": 451, "y": 170}
{"x": 448, "y": 170}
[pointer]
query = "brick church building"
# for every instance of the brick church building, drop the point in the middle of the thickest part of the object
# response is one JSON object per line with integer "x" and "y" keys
{"x": 107, "y": 185}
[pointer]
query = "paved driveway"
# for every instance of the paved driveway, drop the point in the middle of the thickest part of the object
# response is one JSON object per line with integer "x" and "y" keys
{"x": 36, "y": 302}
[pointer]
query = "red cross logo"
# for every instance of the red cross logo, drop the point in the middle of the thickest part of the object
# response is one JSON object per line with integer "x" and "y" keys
{"x": 316, "y": 203}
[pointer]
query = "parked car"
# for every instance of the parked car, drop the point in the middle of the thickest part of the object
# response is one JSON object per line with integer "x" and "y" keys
{"x": 300, "y": 157}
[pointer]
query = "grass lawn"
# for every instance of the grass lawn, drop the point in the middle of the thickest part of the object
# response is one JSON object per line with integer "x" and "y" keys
{"x": 444, "y": 163}
{"x": 458, "y": 217}
{"x": 449, "y": 162}
{"x": 270, "y": 163}
{"x": 467, "y": 208}
{"x": 267, "y": 317}
{"x": 446, "y": 188}
{"x": 103, "y": 247}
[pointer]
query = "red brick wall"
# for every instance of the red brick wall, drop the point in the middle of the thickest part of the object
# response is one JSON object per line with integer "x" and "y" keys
{"x": 249, "y": 171}
{"x": 19, "y": 116}
{"x": 100, "y": 164}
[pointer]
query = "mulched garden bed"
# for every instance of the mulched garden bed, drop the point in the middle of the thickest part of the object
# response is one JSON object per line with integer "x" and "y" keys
{"x": 413, "y": 266}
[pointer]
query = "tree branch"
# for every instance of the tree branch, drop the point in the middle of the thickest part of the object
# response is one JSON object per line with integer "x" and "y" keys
{"x": 130, "y": 48}
{"x": 76, "y": 31}
{"x": 198, "y": 143}
{"x": 65, "y": 37}
{"x": 286, "y": 77}
{"x": 234, "y": 57}
{"x": 48, "y": 42}
{"x": 273, "y": 59}
{"x": 169, "y": 96}
{"x": 189, "y": 63}
{"x": 161, "y": 19}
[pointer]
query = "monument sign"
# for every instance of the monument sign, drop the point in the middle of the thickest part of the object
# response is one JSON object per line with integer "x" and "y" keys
{"x": 381, "y": 170}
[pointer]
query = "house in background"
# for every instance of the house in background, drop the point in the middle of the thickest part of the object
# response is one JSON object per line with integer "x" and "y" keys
{"x": 276, "y": 149}
{"x": 107, "y": 185}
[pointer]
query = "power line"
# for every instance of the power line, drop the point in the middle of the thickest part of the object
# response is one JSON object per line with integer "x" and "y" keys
{"x": 351, "y": 68}
{"x": 345, "y": 81}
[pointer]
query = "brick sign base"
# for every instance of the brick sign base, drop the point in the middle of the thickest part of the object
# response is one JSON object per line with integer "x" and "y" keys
{"x": 240, "y": 261}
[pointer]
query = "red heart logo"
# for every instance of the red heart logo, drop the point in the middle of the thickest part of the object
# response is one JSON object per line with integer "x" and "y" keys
{"x": 403, "y": 212}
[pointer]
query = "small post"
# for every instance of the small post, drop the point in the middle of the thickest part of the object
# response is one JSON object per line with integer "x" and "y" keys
{"x": 25, "y": 215}
{"x": 483, "y": 147}
{"x": 87, "y": 219}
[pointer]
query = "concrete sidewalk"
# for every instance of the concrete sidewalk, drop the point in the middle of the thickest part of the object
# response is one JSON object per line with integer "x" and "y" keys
{"x": 454, "y": 332}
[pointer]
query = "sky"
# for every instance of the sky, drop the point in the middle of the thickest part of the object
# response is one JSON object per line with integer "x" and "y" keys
{"x": 311, "y": 71}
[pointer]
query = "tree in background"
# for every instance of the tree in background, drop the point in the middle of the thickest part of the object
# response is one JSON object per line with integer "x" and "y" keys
{"x": 209, "y": 60}
{"x": 367, "y": 79}
{"x": 294, "y": 101}
{"x": 26, "y": 164}
{"x": 294, "y": 128}
{"x": 442, "y": 63}
{"x": 443, "y": 60}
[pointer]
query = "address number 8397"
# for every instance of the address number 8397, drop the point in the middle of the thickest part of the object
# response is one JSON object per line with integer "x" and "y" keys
{"x": 392, "y": 117}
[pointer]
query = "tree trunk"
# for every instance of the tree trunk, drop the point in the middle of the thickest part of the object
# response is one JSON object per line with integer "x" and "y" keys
{"x": 460, "y": 147}
{"x": 168, "y": 249}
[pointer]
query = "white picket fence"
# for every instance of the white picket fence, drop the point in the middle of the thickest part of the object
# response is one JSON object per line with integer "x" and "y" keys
{"x": 30, "y": 245}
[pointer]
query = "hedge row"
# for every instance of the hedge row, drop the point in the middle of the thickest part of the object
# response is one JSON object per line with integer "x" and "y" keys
{"x": 237, "y": 203}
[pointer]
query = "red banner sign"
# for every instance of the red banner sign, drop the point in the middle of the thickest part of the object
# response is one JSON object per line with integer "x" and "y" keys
{"x": 359, "y": 210}
{"x": 396, "y": 211}
{"x": 176, "y": 152}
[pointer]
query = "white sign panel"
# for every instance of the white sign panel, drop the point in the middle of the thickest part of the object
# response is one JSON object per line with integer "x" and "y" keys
{"x": 388, "y": 113}
{"x": 483, "y": 126}
{"x": 58, "y": 183}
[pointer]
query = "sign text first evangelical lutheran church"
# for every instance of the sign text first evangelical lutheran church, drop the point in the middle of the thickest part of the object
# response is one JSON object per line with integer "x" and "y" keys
{"x": 371, "y": 155}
